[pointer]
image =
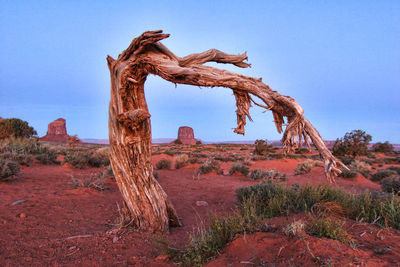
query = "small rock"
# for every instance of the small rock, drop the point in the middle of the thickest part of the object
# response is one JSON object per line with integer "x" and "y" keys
{"x": 115, "y": 239}
{"x": 225, "y": 172}
{"x": 113, "y": 231}
{"x": 18, "y": 202}
{"x": 201, "y": 203}
{"x": 162, "y": 258}
{"x": 72, "y": 248}
{"x": 22, "y": 215}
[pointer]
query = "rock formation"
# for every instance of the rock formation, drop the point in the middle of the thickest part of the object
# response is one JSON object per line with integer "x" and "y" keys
{"x": 1, "y": 118}
{"x": 56, "y": 132}
{"x": 186, "y": 135}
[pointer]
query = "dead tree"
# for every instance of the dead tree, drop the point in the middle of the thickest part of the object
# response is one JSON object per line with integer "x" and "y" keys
{"x": 130, "y": 128}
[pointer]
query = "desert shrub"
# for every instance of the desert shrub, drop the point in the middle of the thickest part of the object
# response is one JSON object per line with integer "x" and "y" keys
{"x": 16, "y": 128}
{"x": 383, "y": 147}
{"x": 156, "y": 175}
{"x": 171, "y": 152}
{"x": 354, "y": 143}
{"x": 77, "y": 159}
{"x": 81, "y": 159}
{"x": 306, "y": 166}
{"x": 394, "y": 168}
{"x": 296, "y": 156}
{"x": 21, "y": 159}
{"x": 177, "y": 142}
{"x": 262, "y": 148}
{"x": 295, "y": 229}
{"x": 347, "y": 173}
{"x": 198, "y": 142}
{"x": 8, "y": 169}
{"x": 346, "y": 160}
{"x": 237, "y": 167}
{"x": 276, "y": 156}
{"x": 381, "y": 174}
{"x": 391, "y": 184}
{"x": 271, "y": 174}
{"x": 22, "y": 146}
{"x": 208, "y": 166}
{"x": 276, "y": 199}
{"x": 109, "y": 171}
{"x": 256, "y": 174}
{"x": 361, "y": 167}
{"x": 206, "y": 244}
{"x": 95, "y": 181}
{"x": 163, "y": 164}
{"x": 49, "y": 156}
{"x": 181, "y": 161}
{"x": 391, "y": 160}
{"x": 301, "y": 150}
{"x": 327, "y": 227}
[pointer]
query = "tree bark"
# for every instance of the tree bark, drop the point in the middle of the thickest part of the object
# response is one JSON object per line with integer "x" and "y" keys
{"x": 130, "y": 128}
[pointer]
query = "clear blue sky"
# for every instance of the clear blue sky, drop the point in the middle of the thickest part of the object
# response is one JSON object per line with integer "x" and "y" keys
{"x": 339, "y": 59}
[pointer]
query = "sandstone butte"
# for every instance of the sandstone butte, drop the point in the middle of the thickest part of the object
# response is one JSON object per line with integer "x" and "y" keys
{"x": 56, "y": 131}
{"x": 186, "y": 135}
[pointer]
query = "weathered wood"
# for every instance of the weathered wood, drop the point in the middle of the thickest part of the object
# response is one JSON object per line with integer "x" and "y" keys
{"x": 130, "y": 128}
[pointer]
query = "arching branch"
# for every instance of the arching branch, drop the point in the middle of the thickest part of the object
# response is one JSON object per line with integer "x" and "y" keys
{"x": 190, "y": 70}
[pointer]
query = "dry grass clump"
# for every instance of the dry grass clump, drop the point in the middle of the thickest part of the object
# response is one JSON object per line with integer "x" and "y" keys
{"x": 241, "y": 168}
{"x": 208, "y": 166}
{"x": 306, "y": 166}
{"x": 181, "y": 161}
{"x": 163, "y": 164}
{"x": 270, "y": 175}
{"x": 361, "y": 167}
{"x": 95, "y": 181}
{"x": 81, "y": 159}
{"x": 8, "y": 170}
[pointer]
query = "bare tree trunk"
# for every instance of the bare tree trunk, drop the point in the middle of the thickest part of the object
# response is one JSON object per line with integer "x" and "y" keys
{"x": 130, "y": 129}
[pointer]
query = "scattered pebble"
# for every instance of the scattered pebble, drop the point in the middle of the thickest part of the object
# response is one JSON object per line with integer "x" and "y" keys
{"x": 201, "y": 203}
{"x": 18, "y": 202}
{"x": 162, "y": 258}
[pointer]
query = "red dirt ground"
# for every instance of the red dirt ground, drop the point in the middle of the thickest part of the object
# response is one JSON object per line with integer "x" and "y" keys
{"x": 58, "y": 225}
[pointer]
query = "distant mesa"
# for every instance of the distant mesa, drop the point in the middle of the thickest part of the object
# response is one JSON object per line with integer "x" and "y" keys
{"x": 186, "y": 135}
{"x": 1, "y": 118}
{"x": 56, "y": 132}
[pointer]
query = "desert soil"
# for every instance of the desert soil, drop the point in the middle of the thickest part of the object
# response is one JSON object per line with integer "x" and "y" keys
{"x": 45, "y": 221}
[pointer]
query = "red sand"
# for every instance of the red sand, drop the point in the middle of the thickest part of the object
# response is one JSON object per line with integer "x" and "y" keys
{"x": 58, "y": 225}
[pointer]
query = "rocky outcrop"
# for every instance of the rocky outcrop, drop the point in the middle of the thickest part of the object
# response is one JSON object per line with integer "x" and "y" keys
{"x": 1, "y": 118}
{"x": 186, "y": 135}
{"x": 56, "y": 132}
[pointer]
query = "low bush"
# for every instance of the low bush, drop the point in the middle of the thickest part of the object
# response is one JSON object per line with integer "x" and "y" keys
{"x": 208, "y": 166}
{"x": 163, "y": 164}
{"x": 346, "y": 160}
{"x": 262, "y": 148}
{"x": 383, "y": 147}
{"x": 206, "y": 244}
{"x": 47, "y": 157}
{"x": 177, "y": 142}
{"x": 237, "y": 167}
{"x": 8, "y": 170}
{"x": 391, "y": 184}
{"x": 347, "y": 173}
{"x": 301, "y": 150}
{"x": 181, "y": 161}
{"x": 327, "y": 227}
{"x": 361, "y": 167}
{"x": 95, "y": 181}
{"x": 394, "y": 168}
{"x": 275, "y": 200}
{"x": 382, "y": 174}
{"x": 271, "y": 174}
{"x": 81, "y": 159}
{"x": 21, "y": 159}
{"x": 306, "y": 166}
